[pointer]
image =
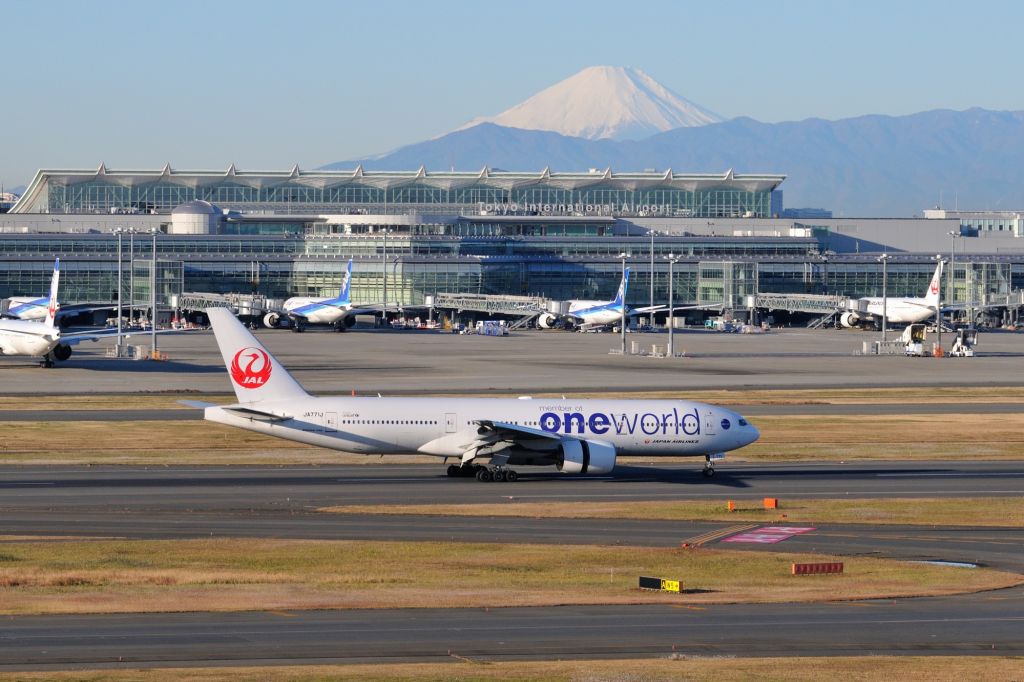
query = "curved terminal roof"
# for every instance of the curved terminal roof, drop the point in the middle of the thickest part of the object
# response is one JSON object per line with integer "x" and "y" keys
{"x": 34, "y": 198}
{"x": 197, "y": 207}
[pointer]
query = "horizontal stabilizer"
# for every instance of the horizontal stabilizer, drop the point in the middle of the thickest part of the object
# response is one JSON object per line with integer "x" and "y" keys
{"x": 198, "y": 404}
{"x": 258, "y": 415}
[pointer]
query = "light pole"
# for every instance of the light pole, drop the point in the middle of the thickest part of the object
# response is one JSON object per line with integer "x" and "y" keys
{"x": 384, "y": 274}
{"x": 120, "y": 266}
{"x": 152, "y": 292}
{"x": 131, "y": 277}
{"x": 672, "y": 260}
{"x": 651, "y": 319}
{"x": 885, "y": 280}
{"x": 622, "y": 322}
{"x": 938, "y": 302}
{"x": 952, "y": 265}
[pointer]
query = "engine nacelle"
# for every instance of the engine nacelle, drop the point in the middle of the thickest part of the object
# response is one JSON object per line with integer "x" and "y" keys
{"x": 271, "y": 320}
{"x": 586, "y": 457}
{"x": 849, "y": 319}
{"x": 348, "y": 321}
{"x": 547, "y": 321}
{"x": 62, "y": 351}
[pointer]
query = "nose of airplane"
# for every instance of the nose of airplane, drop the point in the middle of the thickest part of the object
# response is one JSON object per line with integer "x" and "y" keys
{"x": 746, "y": 433}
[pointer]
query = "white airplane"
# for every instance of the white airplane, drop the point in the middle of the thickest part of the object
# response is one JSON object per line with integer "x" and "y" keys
{"x": 590, "y": 314}
{"x": 34, "y": 308}
{"x": 42, "y": 339}
{"x": 337, "y": 311}
{"x": 574, "y": 436}
{"x": 897, "y": 310}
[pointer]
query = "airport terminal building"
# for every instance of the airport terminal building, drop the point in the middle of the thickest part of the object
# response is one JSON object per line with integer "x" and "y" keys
{"x": 418, "y": 233}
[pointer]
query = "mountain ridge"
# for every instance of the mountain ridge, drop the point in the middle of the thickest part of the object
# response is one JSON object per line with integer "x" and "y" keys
{"x": 869, "y": 165}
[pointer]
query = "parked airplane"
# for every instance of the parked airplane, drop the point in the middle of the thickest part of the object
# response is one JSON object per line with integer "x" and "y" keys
{"x": 337, "y": 311}
{"x": 590, "y": 314}
{"x": 574, "y": 436}
{"x": 34, "y": 308}
{"x": 42, "y": 339}
{"x": 897, "y": 310}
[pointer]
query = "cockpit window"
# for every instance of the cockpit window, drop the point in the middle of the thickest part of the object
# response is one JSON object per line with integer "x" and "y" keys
{"x": 743, "y": 422}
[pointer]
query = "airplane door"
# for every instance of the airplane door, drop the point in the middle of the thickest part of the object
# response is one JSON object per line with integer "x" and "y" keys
{"x": 330, "y": 421}
{"x": 710, "y": 425}
{"x": 449, "y": 422}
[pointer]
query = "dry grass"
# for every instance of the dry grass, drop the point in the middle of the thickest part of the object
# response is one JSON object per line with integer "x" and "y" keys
{"x": 906, "y": 437}
{"x": 234, "y": 574}
{"x": 903, "y": 437}
{"x": 810, "y": 396}
{"x": 693, "y": 668}
{"x": 945, "y": 511}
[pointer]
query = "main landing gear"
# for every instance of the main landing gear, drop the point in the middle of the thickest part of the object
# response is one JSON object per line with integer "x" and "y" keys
{"x": 482, "y": 473}
{"x": 709, "y": 467}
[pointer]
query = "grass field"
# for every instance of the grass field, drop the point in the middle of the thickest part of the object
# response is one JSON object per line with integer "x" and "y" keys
{"x": 783, "y": 438}
{"x": 665, "y": 669}
{"x": 116, "y": 576}
{"x": 951, "y": 511}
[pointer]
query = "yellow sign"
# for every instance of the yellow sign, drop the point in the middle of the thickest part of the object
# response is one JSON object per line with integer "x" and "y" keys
{"x": 670, "y": 585}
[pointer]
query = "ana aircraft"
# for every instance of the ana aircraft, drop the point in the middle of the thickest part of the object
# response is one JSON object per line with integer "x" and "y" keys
{"x": 591, "y": 314}
{"x": 574, "y": 436}
{"x": 337, "y": 312}
{"x": 897, "y": 310}
{"x": 34, "y": 308}
{"x": 42, "y": 339}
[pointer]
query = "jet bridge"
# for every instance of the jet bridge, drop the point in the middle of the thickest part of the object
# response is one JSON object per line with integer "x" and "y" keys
{"x": 524, "y": 307}
{"x": 243, "y": 305}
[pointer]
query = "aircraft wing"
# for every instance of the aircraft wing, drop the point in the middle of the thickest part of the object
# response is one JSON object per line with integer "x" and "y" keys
{"x": 73, "y": 338}
{"x": 516, "y": 432}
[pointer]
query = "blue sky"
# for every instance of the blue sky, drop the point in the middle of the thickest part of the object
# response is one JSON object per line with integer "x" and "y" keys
{"x": 269, "y": 84}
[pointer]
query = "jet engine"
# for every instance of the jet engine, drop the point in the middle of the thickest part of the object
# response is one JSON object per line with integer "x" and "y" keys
{"x": 271, "y": 320}
{"x": 547, "y": 321}
{"x": 62, "y": 351}
{"x": 849, "y": 320}
{"x": 586, "y": 457}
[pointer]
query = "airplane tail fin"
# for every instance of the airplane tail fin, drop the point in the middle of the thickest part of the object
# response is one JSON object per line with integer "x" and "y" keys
{"x": 623, "y": 285}
{"x": 255, "y": 374}
{"x": 51, "y": 307}
{"x": 932, "y": 295}
{"x": 345, "y": 296}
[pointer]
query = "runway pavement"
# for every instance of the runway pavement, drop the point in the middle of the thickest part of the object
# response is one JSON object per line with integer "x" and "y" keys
{"x": 278, "y": 502}
{"x": 528, "y": 362}
{"x": 974, "y": 624}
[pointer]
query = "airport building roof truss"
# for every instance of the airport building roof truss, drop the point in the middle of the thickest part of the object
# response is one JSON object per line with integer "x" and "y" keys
{"x": 291, "y": 185}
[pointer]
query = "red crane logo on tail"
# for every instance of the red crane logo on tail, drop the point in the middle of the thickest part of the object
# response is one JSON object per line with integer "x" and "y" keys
{"x": 256, "y": 370}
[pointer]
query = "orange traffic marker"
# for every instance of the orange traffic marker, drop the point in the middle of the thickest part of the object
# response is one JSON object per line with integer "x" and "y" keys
{"x": 732, "y": 506}
{"x": 771, "y": 503}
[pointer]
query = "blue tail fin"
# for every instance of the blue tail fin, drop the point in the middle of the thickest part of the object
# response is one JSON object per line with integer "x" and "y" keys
{"x": 621, "y": 296}
{"x": 345, "y": 297}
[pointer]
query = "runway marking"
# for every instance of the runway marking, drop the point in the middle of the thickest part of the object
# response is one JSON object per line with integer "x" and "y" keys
{"x": 961, "y": 474}
{"x": 282, "y": 614}
{"x": 32, "y": 483}
{"x": 769, "y": 535}
{"x": 713, "y": 535}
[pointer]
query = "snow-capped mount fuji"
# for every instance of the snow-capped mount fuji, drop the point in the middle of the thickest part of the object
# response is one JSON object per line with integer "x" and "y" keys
{"x": 604, "y": 102}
